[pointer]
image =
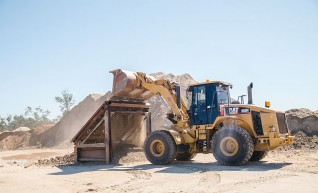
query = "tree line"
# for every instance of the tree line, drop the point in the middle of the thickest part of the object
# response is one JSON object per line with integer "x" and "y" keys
{"x": 34, "y": 117}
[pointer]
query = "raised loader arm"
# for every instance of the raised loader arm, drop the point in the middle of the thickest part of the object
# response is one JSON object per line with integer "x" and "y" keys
{"x": 139, "y": 86}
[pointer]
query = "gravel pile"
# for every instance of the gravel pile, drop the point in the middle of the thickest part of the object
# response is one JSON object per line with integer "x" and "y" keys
{"x": 302, "y": 142}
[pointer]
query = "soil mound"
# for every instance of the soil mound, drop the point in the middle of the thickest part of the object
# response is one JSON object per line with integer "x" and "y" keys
{"x": 22, "y": 137}
{"x": 302, "y": 120}
{"x": 14, "y": 140}
{"x": 303, "y": 142}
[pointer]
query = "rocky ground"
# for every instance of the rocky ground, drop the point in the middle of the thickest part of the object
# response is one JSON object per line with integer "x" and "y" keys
{"x": 282, "y": 170}
{"x": 293, "y": 168}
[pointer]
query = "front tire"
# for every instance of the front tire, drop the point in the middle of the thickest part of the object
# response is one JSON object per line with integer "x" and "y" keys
{"x": 232, "y": 145}
{"x": 160, "y": 147}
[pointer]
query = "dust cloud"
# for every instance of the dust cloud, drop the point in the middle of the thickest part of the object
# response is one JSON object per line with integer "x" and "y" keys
{"x": 128, "y": 133}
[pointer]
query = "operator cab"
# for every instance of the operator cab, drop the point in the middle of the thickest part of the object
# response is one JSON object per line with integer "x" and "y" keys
{"x": 206, "y": 101}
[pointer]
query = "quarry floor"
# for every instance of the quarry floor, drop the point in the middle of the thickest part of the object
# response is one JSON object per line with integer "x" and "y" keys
{"x": 280, "y": 171}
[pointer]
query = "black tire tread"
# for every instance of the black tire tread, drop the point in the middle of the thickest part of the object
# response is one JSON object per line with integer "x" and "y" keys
{"x": 247, "y": 138}
{"x": 172, "y": 149}
{"x": 185, "y": 156}
{"x": 258, "y": 155}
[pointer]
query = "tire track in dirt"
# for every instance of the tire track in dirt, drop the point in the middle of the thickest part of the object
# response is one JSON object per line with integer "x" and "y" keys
{"x": 139, "y": 178}
{"x": 136, "y": 182}
{"x": 207, "y": 176}
{"x": 209, "y": 179}
{"x": 245, "y": 183}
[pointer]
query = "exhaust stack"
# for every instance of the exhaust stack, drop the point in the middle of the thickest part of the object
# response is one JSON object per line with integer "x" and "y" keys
{"x": 249, "y": 94}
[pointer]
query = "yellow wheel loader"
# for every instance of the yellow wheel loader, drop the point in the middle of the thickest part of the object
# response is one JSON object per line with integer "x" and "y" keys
{"x": 234, "y": 133}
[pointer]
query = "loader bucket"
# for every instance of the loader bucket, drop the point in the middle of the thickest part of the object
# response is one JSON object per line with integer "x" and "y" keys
{"x": 126, "y": 87}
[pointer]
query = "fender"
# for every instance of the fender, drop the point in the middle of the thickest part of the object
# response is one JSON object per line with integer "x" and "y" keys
{"x": 176, "y": 135}
{"x": 234, "y": 120}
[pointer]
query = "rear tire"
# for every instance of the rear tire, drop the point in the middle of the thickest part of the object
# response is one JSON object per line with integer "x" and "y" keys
{"x": 184, "y": 153}
{"x": 232, "y": 145}
{"x": 258, "y": 155}
{"x": 160, "y": 147}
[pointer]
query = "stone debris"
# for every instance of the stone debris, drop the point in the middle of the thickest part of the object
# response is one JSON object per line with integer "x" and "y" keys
{"x": 302, "y": 142}
{"x": 56, "y": 161}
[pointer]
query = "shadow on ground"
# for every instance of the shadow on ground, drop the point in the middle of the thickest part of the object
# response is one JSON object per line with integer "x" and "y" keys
{"x": 176, "y": 167}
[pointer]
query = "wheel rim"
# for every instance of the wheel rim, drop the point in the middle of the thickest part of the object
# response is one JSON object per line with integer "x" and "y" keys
{"x": 229, "y": 146}
{"x": 157, "y": 148}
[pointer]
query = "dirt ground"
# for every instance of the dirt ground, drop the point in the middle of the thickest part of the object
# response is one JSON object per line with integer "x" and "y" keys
{"x": 292, "y": 171}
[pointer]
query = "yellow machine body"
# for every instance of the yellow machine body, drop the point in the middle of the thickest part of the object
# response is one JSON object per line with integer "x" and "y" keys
{"x": 139, "y": 86}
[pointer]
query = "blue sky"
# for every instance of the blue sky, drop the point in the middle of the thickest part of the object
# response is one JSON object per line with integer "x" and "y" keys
{"x": 49, "y": 46}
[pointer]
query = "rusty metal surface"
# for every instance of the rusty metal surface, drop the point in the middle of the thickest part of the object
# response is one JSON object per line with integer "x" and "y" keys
{"x": 113, "y": 128}
{"x": 127, "y": 87}
{"x": 93, "y": 153}
{"x": 99, "y": 115}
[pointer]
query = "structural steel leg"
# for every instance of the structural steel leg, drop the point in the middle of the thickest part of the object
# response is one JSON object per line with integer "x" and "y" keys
{"x": 148, "y": 123}
{"x": 107, "y": 119}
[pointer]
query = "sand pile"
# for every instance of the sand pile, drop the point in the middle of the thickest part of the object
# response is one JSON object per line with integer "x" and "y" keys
{"x": 22, "y": 137}
{"x": 302, "y": 120}
{"x": 134, "y": 155}
{"x": 61, "y": 133}
{"x": 54, "y": 135}
{"x": 14, "y": 140}
{"x": 22, "y": 129}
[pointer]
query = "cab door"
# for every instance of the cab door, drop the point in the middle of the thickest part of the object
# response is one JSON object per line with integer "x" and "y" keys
{"x": 199, "y": 107}
{"x": 212, "y": 103}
